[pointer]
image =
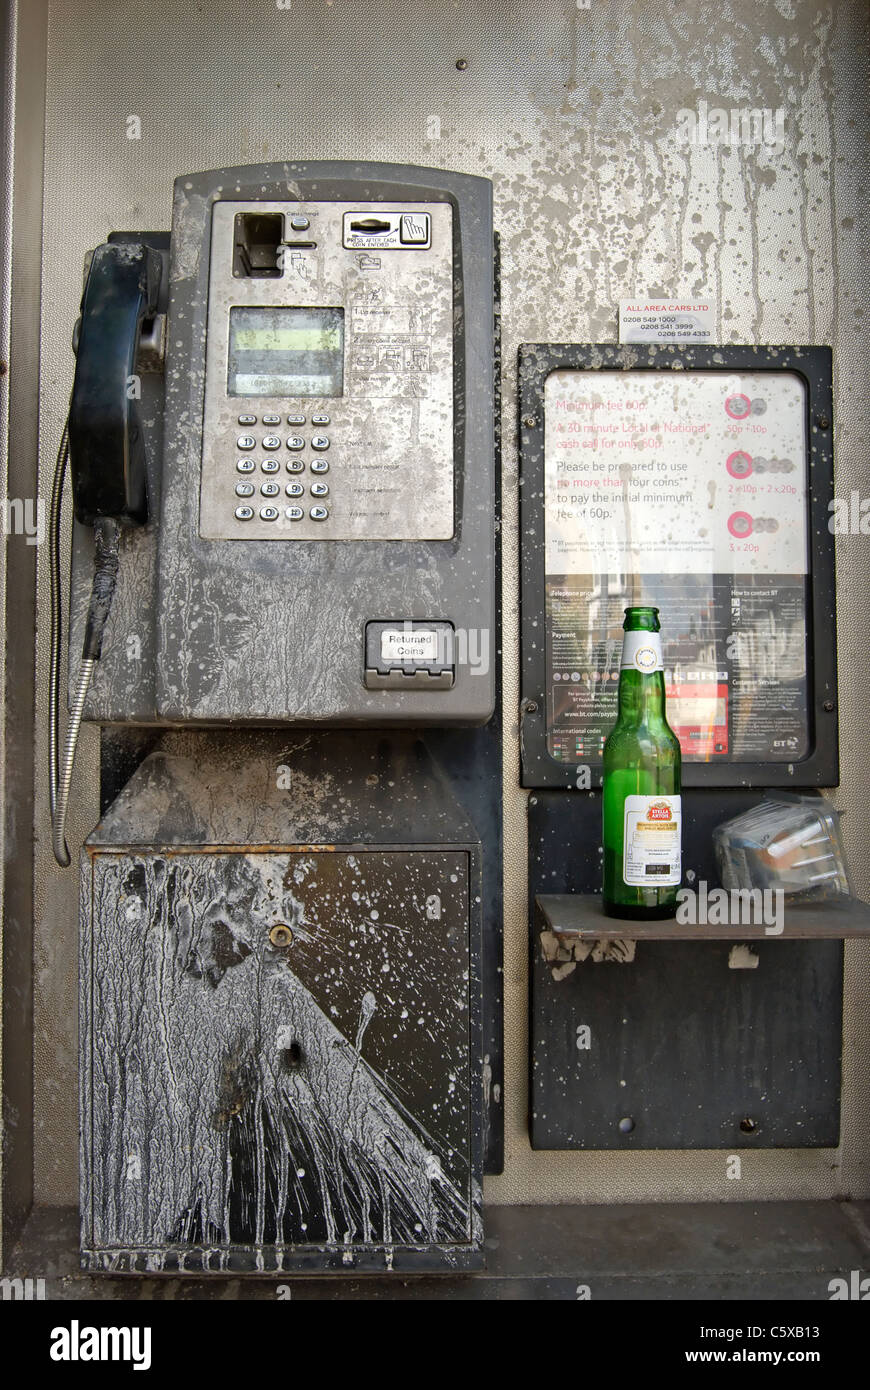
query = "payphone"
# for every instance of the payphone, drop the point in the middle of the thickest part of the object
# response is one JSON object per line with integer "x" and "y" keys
{"x": 312, "y": 536}
{"x": 281, "y": 440}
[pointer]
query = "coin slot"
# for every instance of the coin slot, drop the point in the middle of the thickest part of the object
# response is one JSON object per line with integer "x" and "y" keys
{"x": 371, "y": 226}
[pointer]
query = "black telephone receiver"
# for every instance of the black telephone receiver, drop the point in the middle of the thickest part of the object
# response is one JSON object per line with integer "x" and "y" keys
{"x": 106, "y": 449}
{"x": 106, "y": 445}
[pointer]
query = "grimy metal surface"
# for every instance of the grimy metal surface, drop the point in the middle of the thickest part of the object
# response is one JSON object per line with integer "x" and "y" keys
{"x": 247, "y": 632}
{"x": 668, "y": 1044}
{"x": 599, "y": 194}
{"x": 279, "y": 997}
{"x": 389, "y": 423}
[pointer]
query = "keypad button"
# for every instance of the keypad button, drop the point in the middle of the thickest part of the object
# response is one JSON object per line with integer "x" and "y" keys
{"x": 246, "y": 441}
{"x": 245, "y": 465}
{"x": 320, "y": 441}
{"x": 244, "y": 489}
{"x": 247, "y": 419}
{"x": 295, "y": 466}
{"x": 294, "y": 513}
{"x": 244, "y": 513}
{"x": 319, "y": 513}
{"x": 271, "y": 442}
{"x": 271, "y": 419}
{"x": 268, "y": 513}
{"x": 320, "y": 419}
{"x": 295, "y": 419}
{"x": 294, "y": 489}
{"x": 270, "y": 489}
{"x": 295, "y": 442}
{"x": 320, "y": 489}
{"x": 270, "y": 465}
{"x": 319, "y": 466}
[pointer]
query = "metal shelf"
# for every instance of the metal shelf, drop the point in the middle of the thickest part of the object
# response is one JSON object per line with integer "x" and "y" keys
{"x": 580, "y": 917}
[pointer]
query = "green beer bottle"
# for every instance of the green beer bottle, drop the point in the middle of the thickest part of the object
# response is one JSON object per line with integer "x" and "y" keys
{"x": 641, "y": 801}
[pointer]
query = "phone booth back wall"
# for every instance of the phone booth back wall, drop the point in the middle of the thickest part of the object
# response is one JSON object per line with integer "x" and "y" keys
{"x": 611, "y": 180}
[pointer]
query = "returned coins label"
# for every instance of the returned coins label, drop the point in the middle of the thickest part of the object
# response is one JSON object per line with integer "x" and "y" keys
{"x": 651, "y": 854}
{"x": 421, "y": 645}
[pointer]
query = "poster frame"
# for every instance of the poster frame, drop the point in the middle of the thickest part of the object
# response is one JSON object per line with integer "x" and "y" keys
{"x": 814, "y": 364}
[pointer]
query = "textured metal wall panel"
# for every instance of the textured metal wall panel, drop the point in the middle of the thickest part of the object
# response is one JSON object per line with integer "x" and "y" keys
{"x": 23, "y": 84}
{"x": 574, "y": 113}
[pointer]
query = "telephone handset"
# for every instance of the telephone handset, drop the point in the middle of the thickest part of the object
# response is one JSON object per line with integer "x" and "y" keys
{"x": 105, "y": 433}
{"x": 317, "y": 449}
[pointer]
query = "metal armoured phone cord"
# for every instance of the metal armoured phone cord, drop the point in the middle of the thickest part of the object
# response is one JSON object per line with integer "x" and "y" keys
{"x": 107, "y": 535}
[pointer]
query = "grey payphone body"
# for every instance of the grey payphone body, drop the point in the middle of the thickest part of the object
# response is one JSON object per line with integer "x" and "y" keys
{"x": 320, "y": 543}
{"x": 283, "y": 453}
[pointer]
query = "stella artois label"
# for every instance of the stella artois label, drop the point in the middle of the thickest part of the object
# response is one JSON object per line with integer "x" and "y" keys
{"x": 651, "y": 854}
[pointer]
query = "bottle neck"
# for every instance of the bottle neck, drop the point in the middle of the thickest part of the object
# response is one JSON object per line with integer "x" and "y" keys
{"x": 641, "y": 680}
{"x": 641, "y": 698}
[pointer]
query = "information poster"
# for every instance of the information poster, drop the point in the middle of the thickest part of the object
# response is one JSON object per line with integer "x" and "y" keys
{"x": 686, "y": 490}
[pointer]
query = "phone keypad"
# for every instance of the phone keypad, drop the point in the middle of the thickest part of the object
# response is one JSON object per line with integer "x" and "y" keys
{"x": 295, "y": 444}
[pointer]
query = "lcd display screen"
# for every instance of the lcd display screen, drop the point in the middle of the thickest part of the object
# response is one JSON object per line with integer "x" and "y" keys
{"x": 286, "y": 352}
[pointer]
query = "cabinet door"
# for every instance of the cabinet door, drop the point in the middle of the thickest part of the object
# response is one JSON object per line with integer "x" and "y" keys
{"x": 277, "y": 1067}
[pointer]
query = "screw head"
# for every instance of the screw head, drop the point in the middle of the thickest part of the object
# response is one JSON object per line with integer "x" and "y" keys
{"x": 828, "y": 706}
{"x": 461, "y": 64}
{"x": 626, "y": 1124}
{"x": 823, "y": 422}
{"x": 280, "y": 935}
